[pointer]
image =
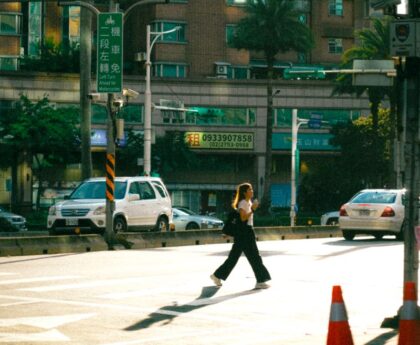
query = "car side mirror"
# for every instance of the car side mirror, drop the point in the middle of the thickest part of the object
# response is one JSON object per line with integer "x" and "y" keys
{"x": 133, "y": 197}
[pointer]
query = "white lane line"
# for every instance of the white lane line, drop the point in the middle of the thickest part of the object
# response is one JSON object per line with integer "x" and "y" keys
{"x": 5, "y": 305}
{"x": 8, "y": 274}
{"x": 43, "y": 337}
{"x": 84, "y": 285}
{"x": 35, "y": 280}
{"x": 162, "y": 338}
{"x": 125, "y": 308}
{"x": 45, "y": 322}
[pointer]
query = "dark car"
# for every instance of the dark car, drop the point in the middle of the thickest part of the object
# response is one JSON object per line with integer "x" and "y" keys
{"x": 11, "y": 222}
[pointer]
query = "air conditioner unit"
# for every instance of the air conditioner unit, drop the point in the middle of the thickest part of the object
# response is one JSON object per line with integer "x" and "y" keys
{"x": 221, "y": 69}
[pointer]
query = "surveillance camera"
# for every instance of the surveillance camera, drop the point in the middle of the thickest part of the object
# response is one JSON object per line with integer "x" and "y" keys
{"x": 130, "y": 93}
{"x": 94, "y": 96}
{"x": 118, "y": 103}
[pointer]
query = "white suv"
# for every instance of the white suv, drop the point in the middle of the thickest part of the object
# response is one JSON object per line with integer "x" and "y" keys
{"x": 141, "y": 203}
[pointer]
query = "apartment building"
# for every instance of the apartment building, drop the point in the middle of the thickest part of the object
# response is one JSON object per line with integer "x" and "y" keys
{"x": 196, "y": 66}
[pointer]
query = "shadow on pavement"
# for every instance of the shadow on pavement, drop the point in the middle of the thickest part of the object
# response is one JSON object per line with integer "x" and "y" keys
{"x": 46, "y": 256}
{"x": 383, "y": 338}
{"x": 170, "y": 312}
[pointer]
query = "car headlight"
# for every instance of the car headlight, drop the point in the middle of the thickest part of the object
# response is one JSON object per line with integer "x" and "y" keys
{"x": 100, "y": 210}
{"x": 52, "y": 211}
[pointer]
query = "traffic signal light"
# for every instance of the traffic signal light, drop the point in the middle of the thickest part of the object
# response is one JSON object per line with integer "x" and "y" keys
{"x": 304, "y": 73}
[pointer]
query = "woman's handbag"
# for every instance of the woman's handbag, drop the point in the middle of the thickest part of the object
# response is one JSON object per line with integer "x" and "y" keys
{"x": 232, "y": 224}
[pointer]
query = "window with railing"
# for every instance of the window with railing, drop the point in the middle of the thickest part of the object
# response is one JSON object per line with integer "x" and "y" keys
{"x": 8, "y": 63}
{"x": 335, "y": 45}
{"x": 220, "y": 116}
{"x": 238, "y": 72}
{"x": 328, "y": 117}
{"x": 176, "y": 36}
{"x": 34, "y": 28}
{"x": 335, "y": 7}
{"x": 131, "y": 113}
{"x": 230, "y": 32}
{"x": 236, "y": 2}
{"x": 71, "y": 25}
{"x": 169, "y": 70}
{"x": 10, "y": 24}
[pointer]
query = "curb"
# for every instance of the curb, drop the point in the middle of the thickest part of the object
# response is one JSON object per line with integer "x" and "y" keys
{"x": 38, "y": 245}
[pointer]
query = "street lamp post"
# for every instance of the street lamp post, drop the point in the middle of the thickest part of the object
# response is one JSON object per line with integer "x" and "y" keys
{"x": 148, "y": 97}
{"x": 296, "y": 123}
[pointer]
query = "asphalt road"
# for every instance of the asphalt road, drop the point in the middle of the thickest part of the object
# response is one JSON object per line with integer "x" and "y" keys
{"x": 164, "y": 296}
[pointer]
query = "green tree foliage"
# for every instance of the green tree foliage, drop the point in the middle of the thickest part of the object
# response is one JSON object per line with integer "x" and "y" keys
{"x": 271, "y": 27}
{"x": 47, "y": 134}
{"x": 331, "y": 183}
{"x": 53, "y": 58}
{"x": 373, "y": 44}
{"x": 169, "y": 153}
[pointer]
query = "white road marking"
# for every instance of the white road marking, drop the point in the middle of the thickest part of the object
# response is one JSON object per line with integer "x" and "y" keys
{"x": 52, "y": 335}
{"x": 35, "y": 280}
{"x": 7, "y": 274}
{"x": 46, "y": 322}
{"x": 125, "y": 308}
{"x": 15, "y": 303}
{"x": 83, "y": 285}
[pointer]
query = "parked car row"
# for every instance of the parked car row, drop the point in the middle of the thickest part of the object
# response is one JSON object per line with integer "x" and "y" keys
{"x": 11, "y": 222}
{"x": 141, "y": 204}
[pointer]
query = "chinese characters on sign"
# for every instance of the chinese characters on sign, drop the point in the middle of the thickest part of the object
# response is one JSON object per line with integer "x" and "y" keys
{"x": 110, "y": 52}
{"x": 220, "y": 140}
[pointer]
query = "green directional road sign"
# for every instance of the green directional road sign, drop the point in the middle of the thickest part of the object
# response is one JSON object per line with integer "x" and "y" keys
{"x": 110, "y": 52}
{"x": 304, "y": 73}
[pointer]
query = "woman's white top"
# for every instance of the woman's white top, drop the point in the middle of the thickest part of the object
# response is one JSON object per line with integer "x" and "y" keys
{"x": 246, "y": 206}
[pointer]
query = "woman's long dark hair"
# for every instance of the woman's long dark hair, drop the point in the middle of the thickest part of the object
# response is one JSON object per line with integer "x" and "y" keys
{"x": 240, "y": 194}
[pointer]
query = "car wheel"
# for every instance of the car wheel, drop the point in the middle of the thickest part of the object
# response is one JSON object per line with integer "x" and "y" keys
{"x": 192, "y": 226}
{"x": 162, "y": 224}
{"x": 400, "y": 235}
{"x": 52, "y": 232}
{"x": 332, "y": 221}
{"x": 120, "y": 225}
{"x": 348, "y": 235}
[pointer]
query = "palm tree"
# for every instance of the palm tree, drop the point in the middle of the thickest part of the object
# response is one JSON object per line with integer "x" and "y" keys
{"x": 271, "y": 27}
{"x": 373, "y": 45}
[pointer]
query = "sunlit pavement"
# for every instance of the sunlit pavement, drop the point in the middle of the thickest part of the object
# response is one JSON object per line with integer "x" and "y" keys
{"x": 165, "y": 296}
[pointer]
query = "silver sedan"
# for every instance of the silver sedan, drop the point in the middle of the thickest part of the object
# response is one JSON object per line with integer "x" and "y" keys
{"x": 376, "y": 212}
{"x": 185, "y": 219}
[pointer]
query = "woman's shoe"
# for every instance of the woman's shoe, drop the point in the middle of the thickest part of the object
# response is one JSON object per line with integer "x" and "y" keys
{"x": 216, "y": 281}
{"x": 262, "y": 285}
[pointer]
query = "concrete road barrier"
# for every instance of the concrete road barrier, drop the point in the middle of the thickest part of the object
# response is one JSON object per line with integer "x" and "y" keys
{"x": 36, "y": 245}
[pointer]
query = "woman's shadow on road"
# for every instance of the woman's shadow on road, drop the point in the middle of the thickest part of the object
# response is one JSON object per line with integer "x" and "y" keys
{"x": 170, "y": 312}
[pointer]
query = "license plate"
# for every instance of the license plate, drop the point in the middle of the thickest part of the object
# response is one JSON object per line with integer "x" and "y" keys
{"x": 364, "y": 212}
{"x": 72, "y": 221}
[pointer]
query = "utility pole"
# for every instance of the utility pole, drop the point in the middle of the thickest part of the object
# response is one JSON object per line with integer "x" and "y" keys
{"x": 85, "y": 101}
{"x": 412, "y": 155}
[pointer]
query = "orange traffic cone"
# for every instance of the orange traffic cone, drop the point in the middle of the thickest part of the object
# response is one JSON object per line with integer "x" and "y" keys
{"x": 338, "y": 329}
{"x": 409, "y": 333}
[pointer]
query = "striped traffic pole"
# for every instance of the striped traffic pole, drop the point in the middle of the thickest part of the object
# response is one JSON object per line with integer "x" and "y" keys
{"x": 110, "y": 176}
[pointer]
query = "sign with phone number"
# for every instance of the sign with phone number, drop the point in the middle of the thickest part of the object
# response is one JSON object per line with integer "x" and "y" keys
{"x": 220, "y": 140}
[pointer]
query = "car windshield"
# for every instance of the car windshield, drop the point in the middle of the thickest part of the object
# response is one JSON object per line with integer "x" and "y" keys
{"x": 184, "y": 212}
{"x": 96, "y": 190}
{"x": 375, "y": 198}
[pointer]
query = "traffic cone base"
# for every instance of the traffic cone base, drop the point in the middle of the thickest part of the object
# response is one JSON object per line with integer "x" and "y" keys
{"x": 338, "y": 329}
{"x": 409, "y": 333}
